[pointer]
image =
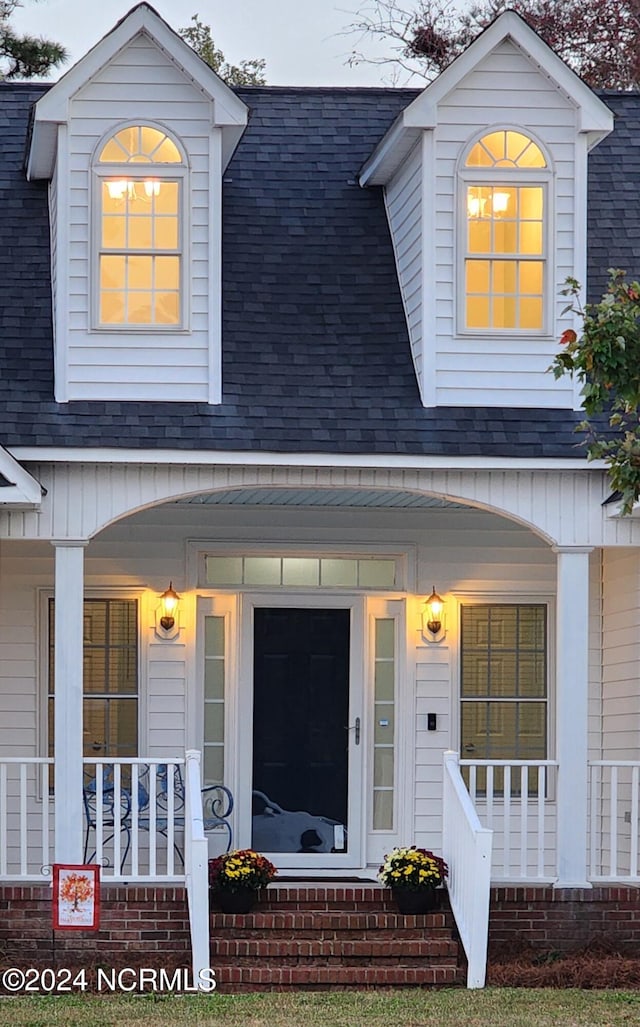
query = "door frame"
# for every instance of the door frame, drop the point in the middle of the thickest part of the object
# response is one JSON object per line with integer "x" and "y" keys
{"x": 357, "y": 805}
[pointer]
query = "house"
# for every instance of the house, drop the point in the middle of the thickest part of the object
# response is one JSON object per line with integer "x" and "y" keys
{"x": 283, "y": 353}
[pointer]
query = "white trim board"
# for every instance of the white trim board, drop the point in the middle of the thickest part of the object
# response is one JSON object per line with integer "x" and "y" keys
{"x": 217, "y": 458}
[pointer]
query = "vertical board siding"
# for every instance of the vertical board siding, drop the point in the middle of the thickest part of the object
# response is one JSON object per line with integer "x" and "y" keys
{"x": 142, "y": 83}
{"x": 506, "y": 91}
{"x": 404, "y": 209}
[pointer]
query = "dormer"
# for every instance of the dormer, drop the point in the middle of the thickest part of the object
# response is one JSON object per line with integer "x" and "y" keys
{"x": 134, "y": 141}
{"x": 485, "y": 182}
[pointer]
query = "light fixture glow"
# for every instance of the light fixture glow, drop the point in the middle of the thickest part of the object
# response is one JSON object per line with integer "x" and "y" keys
{"x": 169, "y": 604}
{"x": 500, "y": 202}
{"x": 433, "y": 611}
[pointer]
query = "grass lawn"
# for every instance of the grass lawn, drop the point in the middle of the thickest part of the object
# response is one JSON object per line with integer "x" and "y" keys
{"x": 495, "y": 1007}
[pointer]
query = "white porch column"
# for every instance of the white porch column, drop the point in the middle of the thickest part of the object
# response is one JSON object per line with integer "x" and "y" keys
{"x": 572, "y": 653}
{"x": 69, "y": 592}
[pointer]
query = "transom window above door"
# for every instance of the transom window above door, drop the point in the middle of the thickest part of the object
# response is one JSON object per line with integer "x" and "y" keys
{"x": 302, "y": 571}
{"x": 140, "y": 232}
{"x": 504, "y": 222}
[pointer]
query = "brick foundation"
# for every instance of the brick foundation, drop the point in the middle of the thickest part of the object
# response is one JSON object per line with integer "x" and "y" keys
{"x": 564, "y": 919}
{"x": 305, "y": 931}
{"x": 148, "y": 924}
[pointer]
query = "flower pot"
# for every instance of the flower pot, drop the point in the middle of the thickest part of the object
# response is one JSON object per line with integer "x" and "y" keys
{"x": 241, "y": 901}
{"x": 414, "y": 903}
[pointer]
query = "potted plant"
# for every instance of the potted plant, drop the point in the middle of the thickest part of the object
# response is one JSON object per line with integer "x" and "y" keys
{"x": 413, "y": 875}
{"x": 236, "y": 877}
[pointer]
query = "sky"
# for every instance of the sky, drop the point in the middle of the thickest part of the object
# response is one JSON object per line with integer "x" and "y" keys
{"x": 302, "y": 40}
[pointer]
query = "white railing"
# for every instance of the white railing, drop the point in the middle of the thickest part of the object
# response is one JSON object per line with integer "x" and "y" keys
{"x": 516, "y": 800}
{"x": 196, "y": 867}
{"x": 467, "y": 850}
{"x": 134, "y": 818}
{"x": 614, "y": 816}
{"x": 26, "y": 819}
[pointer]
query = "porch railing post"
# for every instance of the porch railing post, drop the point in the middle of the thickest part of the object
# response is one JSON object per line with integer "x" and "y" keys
{"x": 572, "y": 648}
{"x": 68, "y": 768}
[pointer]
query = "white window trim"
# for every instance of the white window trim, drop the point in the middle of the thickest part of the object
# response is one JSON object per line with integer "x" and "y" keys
{"x": 503, "y": 599}
{"x": 179, "y": 173}
{"x": 544, "y": 177}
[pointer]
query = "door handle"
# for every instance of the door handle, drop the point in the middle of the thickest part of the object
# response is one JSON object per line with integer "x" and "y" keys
{"x": 355, "y": 727}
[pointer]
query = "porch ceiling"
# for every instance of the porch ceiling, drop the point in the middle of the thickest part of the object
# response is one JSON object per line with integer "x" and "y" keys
{"x": 319, "y": 497}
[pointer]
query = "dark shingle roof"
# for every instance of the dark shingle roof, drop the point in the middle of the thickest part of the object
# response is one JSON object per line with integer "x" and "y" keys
{"x": 315, "y": 349}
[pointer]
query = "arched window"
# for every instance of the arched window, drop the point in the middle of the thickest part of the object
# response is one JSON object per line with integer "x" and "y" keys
{"x": 140, "y": 175}
{"x": 504, "y": 215}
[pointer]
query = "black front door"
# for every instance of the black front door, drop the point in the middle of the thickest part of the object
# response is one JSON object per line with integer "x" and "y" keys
{"x": 300, "y": 730}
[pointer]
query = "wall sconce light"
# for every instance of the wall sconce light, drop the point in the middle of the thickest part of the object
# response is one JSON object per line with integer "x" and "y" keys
{"x": 168, "y": 606}
{"x": 433, "y": 629}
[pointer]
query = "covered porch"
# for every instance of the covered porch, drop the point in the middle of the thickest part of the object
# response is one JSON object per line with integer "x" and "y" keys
{"x": 557, "y": 788}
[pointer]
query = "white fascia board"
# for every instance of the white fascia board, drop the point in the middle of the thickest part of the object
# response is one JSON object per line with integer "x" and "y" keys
{"x": 215, "y": 458}
{"x": 24, "y": 491}
{"x": 230, "y": 112}
{"x": 593, "y": 115}
{"x": 390, "y": 152}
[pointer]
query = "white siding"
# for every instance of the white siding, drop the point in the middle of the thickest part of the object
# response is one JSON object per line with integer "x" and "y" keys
{"x": 404, "y": 209}
{"x": 621, "y": 655}
{"x": 144, "y": 84}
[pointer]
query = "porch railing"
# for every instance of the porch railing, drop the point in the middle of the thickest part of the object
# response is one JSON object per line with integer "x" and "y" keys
{"x": 614, "y": 816}
{"x": 134, "y": 818}
{"x": 467, "y": 850}
{"x": 196, "y": 866}
{"x": 26, "y": 818}
{"x": 516, "y": 800}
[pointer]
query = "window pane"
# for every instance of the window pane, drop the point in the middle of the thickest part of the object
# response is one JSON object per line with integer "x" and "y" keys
{"x": 478, "y": 275}
{"x": 531, "y": 277}
{"x": 213, "y": 764}
{"x": 140, "y": 233}
{"x": 113, "y": 232}
{"x": 300, "y": 571}
{"x": 384, "y": 723}
{"x": 139, "y": 308}
{"x": 112, "y": 306}
{"x": 480, "y": 236}
{"x": 504, "y": 276}
{"x": 477, "y": 312}
{"x": 166, "y": 233}
{"x": 339, "y": 573}
{"x": 531, "y": 203}
{"x": 376, "y": 573}
{"x": 531, "y": 313}
{"x": 262, "y": 570}
{"x": 139, "y": 272}
{"x": 223, "y": 570}
{"x": 504, "y": 312}
{"x": 531, "y": 237}
{"x": 383, "y": 768}
{"x": 384, "y": 680}
{"x": 110, "y": 727}
{"x": 382, "y": 811}
{"x": 167, "y": 308}
{"x": 112, "y": 272}
{"x": 505, "y": 236}
{"x": 214, "y": 722}
{"x": 166, "y": 201}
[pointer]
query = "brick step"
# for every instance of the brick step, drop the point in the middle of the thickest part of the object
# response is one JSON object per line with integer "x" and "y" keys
{"x": 235, "y": 979}
{"x": 363, "y": 898}
{"x": 331, "y": 924}
{"x": 346, "y": 949}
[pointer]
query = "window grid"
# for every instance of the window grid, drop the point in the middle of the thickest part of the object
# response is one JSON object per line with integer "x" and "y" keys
{"x": 110, "y": 677}
{"x": 505, "y": 210}
{"x": 214, "y": 700}
{"x": 504, "y": 687}
{"x": 301, "y": 572}
{"x": 140, "y": 266}
{"x": 384, "y": 726}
